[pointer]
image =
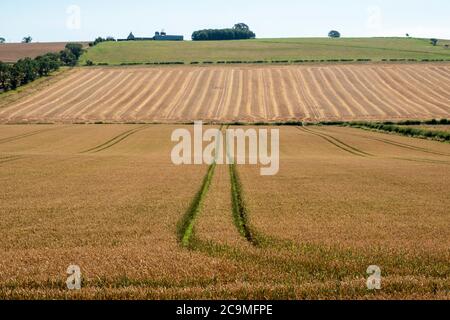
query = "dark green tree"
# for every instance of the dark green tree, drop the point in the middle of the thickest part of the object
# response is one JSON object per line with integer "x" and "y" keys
{"x": 334, "y": 34}
{"x": 76, "y": 49}
{"x": 47, "y": 64}
{"x": 434, "y": 42}
{"x": 2, "y": 40}
{"x": 29, "y": 69}
{"x": 98, "y": 40}
{"x": 5, "y": 76}
{"x": 241, "y": 26}
{"x": 17, "y": 75}
{"x": 68, "y": 58}
{"x": 27, "y": 39}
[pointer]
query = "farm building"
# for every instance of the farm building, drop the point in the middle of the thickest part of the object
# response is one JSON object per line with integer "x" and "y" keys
{"x": 162, "y": 36}
{"x": 159, "y": 36}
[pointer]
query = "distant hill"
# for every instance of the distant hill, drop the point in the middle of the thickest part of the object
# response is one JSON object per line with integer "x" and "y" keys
{"x": 376, "y": 49}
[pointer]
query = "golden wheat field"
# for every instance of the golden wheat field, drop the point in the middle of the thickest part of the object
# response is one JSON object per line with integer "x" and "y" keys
{"x": 109, "y": 199}
{"x": 240, "y": 93}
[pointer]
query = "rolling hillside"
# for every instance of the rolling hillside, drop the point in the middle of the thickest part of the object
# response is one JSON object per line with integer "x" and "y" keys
{"x": 376, "y": 49}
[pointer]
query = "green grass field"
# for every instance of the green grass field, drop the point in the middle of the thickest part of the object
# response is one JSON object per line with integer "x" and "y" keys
{"x": 376, "y": 49}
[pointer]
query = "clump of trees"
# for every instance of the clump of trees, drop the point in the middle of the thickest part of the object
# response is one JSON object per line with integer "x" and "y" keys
{"x": 27, "y": 70}
{"x": 434, "y": 42}
{"x": 70, "y": 55}
{"x": 240, "y": 31}
{"x": 2, "y": 40}
{"x": 100, "y": 40}
{"x": 334, "y": 34}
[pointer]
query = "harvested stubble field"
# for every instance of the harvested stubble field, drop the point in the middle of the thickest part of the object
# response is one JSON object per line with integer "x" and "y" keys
{"x": 108, "y": 198}
{"x": 240, "y": 93}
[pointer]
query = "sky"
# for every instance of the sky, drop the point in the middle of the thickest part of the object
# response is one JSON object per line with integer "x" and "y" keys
{"x": 84, "y": 20}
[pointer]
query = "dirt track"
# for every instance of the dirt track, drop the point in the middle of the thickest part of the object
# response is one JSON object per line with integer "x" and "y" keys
{"x": 244, "y": 93}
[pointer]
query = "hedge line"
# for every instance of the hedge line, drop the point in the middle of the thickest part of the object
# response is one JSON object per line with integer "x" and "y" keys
{"x": 432, "y": 122}
{"x": 90, "y": 63}
{"x": 403, "y": 130}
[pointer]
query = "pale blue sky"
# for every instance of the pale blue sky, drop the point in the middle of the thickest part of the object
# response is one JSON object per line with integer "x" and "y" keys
{"x": 50, "y": 20}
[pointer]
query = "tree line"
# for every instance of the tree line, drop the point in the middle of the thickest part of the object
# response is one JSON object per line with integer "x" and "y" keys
{"x": 27, "y": 70}
{"x": 240, "y": 31}
{"x": 100, "y": 40}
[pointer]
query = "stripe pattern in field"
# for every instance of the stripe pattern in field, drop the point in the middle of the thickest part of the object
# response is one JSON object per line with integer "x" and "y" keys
{"x": 244, "y": 93}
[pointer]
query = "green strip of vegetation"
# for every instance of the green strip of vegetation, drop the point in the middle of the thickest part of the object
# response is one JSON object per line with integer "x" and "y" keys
{"x": 402, "y": 130}
{"x": 400, "y": 127}
{"x": 432, "y": 122}
{"x": 186, "y": 225}
{"x": 240, "y": 212}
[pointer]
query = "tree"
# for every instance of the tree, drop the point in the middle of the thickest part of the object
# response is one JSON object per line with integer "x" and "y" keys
{"x": 75, "y": 48}
{"x": 5, "y": 75}
{"x": 241, "y": 26}
{"x": 131, "y": 37}
{"x": 47, "y": 63}
{"x": 434, "y": 42}
{"x": 68, "y": 58}
{"x": 28, "y": 69}
{"x": 17, "y": 75}
{"x": 334, "y": 34}
{"x": 27, "y": 39}
{"x": 2, "y": 40}
{"x": 98, "y": 40}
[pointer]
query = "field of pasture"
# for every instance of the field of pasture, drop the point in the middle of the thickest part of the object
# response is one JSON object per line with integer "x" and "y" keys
{"x": 267, "y": 50}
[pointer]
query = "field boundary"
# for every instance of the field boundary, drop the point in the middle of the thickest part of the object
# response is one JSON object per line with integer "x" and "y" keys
{"x": 407, "y": 146}
{"x": 306, "y": 62}
{"x": 403, "y": 131}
